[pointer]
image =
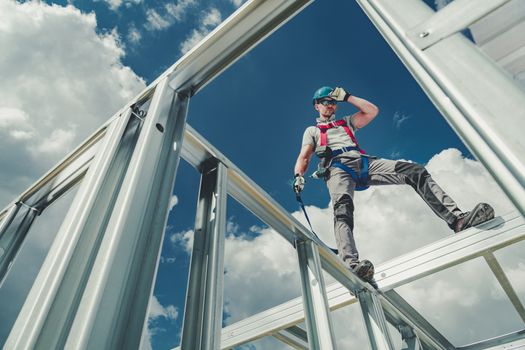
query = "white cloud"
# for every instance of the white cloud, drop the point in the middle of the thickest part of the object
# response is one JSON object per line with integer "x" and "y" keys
{"x": 178, "y": 10}
{"x": 441, "y": 3}
{"x": 174, "y": 200}
{"x": 170, "y": 14}
{"x": 212, "y": 18}
{"x": 184, "y": 239}
{"x": 115, "y": 4}
{"x": 155, "y": 21}
{"x": 134, "y": 35}
{"x": 237, "y": 3}
{"x": 208, "y": 22}
{"x": 60, "y": 81}
{"x": 399, "y": 118}
{"x": 157, "y": 310}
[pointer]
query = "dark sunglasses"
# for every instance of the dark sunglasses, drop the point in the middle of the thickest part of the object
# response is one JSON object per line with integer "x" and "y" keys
{"x": 327, "y": 102}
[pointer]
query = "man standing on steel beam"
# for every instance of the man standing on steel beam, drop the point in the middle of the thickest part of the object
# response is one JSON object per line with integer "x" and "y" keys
{"x": 346, "y": 168}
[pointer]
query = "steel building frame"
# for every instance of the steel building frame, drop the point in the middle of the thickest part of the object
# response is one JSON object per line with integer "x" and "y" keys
{"x": 95, "y": 284}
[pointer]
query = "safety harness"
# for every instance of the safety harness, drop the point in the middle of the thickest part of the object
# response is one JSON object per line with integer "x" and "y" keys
{"x": 328, "y": 155}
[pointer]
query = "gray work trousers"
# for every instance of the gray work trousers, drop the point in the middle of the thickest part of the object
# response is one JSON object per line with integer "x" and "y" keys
{"x": 381, "y": 172}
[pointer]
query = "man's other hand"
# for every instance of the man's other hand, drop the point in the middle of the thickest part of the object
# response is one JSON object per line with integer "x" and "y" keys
{"x": 298, "y": 183}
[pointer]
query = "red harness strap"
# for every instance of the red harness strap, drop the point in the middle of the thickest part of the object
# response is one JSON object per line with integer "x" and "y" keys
{"x": 335, "y": 124}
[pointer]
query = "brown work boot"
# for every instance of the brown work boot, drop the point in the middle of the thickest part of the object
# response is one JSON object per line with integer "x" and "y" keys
{"x": 480, "y": 214}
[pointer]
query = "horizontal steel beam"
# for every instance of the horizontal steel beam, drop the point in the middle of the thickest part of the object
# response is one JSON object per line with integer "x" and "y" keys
{"x": 504, "y": 282}
{"x": 294, "y": 336}
{"x": 454, "y": 17}
{"x": 232, "y": 39}
{"x": 501, "y": 232}
{"x": 511, "y": 341}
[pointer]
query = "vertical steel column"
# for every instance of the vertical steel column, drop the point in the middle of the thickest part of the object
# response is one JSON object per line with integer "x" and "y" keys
{"x": 94, "y": 287}
{"x": 44, "y": 320}
{"x": 480, "y": 101}
{"x": 410, "y": 338}
{"x": 317, "y": 313}
{"x": 112, "y": 311}
{"x": 204, "y": 297}
{"x": 13, "y": 231}
{"x": 375, "y": 321}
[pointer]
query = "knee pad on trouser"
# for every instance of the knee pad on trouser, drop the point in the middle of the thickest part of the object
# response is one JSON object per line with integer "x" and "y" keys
{"x": 344, "y": 210}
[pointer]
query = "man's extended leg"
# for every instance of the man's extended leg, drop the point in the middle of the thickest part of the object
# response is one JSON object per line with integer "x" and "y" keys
{"x": 385, "y": 172}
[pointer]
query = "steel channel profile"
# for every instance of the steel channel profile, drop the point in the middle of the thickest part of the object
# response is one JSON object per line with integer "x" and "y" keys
{"x": 375, "y": 322}
{"x": 317, "y": 313}
{"x": 52, "y": 282}
{"x": 113, "y": 306}
{"x": 204, "y": 297}
{"x": 294, "y": 336}
{"x": 478, "y": 106}
{"x": 451, "y": 19}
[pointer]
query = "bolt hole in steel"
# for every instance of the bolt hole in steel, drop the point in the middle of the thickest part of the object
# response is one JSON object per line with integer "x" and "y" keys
{"x": 159, "y": 127}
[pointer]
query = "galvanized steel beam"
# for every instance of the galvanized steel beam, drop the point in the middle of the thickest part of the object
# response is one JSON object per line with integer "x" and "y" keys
{"x": 375, "y": 322}
{"x": 61, "y": 279}
{"x": 317, "y": 314}
{"x": 13, "y": 231}
{"x": 511, "y": 341}
{"x": 294, "y": 336}
{"x": 399, "y": 312}
{"x": 204, "y": 297}
{"x": 112, "y": 311}
{"x": 504, "y": 282}
{"x": 451, "y": 19}
{"x": 480, "y": 107}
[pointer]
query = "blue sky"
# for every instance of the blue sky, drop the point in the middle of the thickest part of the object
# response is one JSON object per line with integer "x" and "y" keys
{"x": 255, "y": 113}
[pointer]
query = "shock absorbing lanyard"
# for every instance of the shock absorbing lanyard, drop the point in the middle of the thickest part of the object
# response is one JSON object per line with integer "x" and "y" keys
{"x": 301, "y": 204}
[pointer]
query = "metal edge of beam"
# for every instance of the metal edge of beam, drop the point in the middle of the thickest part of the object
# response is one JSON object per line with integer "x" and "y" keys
{"x": 504, "y": 282}
{"x": 318, "y": 320}
{"x": 514, "y": 340}
{"x": 114, "y": 301}
{"x": 457, "y": 251}
{"x": 375, "y": 321}
{"x": 510, "y": 220}
{"x": 234, "y": 37}
{"x": 204, "y": 296}
{"x": 199, "y": 66}
{"x": 293, "y": 336}
{"x": 480, "y": 133}
{"x": 39, "y": 303}
{"x": 398, "y": 311}
{"x": 454, "y": 17}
